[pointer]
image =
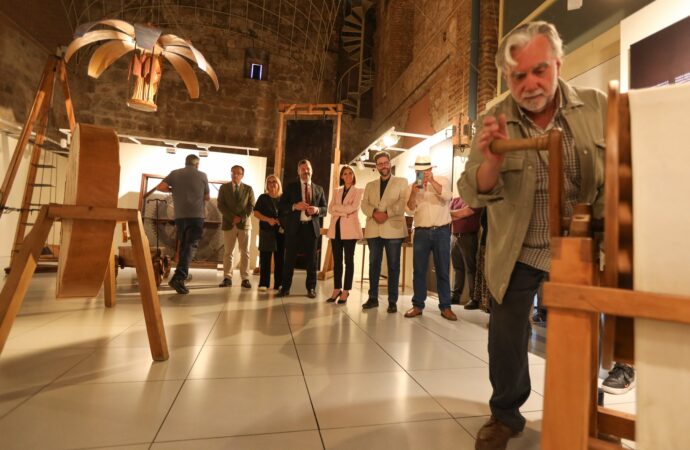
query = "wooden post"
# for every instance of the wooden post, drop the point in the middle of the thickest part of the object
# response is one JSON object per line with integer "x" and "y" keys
{"x": 278, "y": 159}
{"x": 22, "y": 269}
{"x": 36, "y": 108}
{"x": 147, "y": 287}
{"x": 109, "y": 287}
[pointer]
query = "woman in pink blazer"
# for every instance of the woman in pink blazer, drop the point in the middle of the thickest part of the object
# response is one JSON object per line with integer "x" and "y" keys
{"x": 344, "y": 232}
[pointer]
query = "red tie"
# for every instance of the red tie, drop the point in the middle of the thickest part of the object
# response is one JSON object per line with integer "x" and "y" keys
{"x": 307, "y": 193}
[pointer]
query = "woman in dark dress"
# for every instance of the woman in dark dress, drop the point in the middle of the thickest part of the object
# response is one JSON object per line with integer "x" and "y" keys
{"x": 271, "y": 234}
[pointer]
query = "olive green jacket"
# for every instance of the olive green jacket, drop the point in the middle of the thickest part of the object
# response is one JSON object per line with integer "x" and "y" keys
{"x": 231, "y": 206}
{"x": 509, "y": 204}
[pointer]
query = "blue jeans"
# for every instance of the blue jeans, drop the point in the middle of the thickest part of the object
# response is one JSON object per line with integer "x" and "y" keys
{"x": 392, "y": 246}
{"x": 437, "y": 242}
{"x": 188, "y": 234}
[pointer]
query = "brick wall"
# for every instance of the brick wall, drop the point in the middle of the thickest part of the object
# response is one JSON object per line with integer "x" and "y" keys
{"x": 440, "y": 62}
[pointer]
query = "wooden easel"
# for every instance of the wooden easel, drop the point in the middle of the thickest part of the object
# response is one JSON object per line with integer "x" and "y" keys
{"x": 53, "y": 71}
{"x": 312, "y": 110}
{"x": 24, "y": 265}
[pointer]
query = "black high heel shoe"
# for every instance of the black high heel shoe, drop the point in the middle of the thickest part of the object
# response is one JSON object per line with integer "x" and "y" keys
{"x": 334, "y": 299}
{"x": 342, "y": 301}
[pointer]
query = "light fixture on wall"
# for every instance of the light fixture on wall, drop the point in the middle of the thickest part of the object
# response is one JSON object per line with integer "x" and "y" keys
{"x": 388, "y": 141}
{"x": 360, "y": 161}
{"x": 203, "y": 153}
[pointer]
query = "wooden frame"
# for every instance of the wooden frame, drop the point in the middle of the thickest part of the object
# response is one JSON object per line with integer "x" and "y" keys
{"x": 53, "y": 71}
{"x": 24, "y": 265}
{"x": 295, "y": 111}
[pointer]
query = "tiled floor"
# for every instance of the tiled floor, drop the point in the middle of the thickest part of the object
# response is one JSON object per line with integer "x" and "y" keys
{"x": 248, "y": 370}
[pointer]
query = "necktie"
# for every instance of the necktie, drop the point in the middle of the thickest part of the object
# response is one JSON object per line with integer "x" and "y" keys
{"x": 237, "y": 192}
{"x": 307, "y": 193}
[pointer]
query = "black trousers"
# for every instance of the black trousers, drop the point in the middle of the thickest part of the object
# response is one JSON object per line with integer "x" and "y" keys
{"x": 265, "y": 264}
{"x": 509, "y": 333}
{"x": 304, "y": 241}
{"x": 348, "y": 247}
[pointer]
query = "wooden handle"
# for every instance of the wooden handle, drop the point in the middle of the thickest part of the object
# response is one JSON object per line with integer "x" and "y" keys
{"x": 501, "y": 146}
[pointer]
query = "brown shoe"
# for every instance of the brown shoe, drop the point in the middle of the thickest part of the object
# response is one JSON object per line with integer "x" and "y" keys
{"x": 414, "y": 312}
{"x": 493, "y": 436}
{"x": 448, "y": 313}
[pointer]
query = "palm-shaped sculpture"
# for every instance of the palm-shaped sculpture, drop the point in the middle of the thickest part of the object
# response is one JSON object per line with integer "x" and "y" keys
{"x": 149, "y": 45}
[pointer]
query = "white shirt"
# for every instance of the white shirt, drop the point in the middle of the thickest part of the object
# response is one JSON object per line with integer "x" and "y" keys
{"x": 433, "y": 209}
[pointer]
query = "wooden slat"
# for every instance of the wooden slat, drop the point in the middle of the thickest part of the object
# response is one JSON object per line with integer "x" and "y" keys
{"x": 616, "y": 423}
{"x": 618, "y": 302}
{"x": 109, "y": 286}
{"x": 91, "y": 213}
{"x": 598, "y": 444}
{"x": 23, "y": 267}
{"x": 149, "y": 293}
{"x": 569, "y": 381}
{"x": 278, "y": 158}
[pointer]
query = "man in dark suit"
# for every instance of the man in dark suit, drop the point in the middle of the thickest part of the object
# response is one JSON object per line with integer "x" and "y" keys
{"x": 302, "y": 205}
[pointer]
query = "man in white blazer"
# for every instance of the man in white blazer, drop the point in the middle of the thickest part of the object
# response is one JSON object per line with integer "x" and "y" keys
{"x": 383, "y": 203}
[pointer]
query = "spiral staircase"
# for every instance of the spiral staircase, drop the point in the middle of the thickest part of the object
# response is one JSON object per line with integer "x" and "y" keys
{"x": 358, "y": 79}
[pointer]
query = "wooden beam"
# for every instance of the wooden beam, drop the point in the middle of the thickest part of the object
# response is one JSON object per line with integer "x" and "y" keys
{"x": 147, "y": 286}
{"x": 21, "y": 271}
{"x": 569, "y": 358}
{"x": 56, "y": 211}
{"x": 278, "y": 158}
{"x": 37, "y": 106}
{"x": 618, "y": 302}
{"x": 66, "y": 94}
{"x": 616, "y": 423}
{"x": 109, "y": 287}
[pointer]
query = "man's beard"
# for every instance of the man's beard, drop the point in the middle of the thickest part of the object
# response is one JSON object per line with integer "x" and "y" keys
{"x": 537, "y": 100}
{"x": 384, "y": 172}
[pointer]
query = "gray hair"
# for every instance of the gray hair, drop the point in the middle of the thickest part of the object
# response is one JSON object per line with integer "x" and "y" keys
{"x": 521, "y": 35}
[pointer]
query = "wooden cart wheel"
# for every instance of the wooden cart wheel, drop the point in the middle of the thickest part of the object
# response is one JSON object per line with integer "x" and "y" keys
{"x": 618, "y": 225}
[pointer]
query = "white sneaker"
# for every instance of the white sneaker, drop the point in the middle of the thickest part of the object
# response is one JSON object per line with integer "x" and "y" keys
{"x": 263, "y": 288}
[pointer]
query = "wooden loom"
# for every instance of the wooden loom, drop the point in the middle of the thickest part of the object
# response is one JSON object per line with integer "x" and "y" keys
{"x": 575, "y": 298}
{"x": 86, "y": 261}
{"x": 312, "y": 110}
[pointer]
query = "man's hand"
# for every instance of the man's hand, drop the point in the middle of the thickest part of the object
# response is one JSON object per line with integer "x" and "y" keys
{"x": 236, "y": 220}
{"x": 380, "y": 216}
{"x": 312, "y": 211}
{"x": 272, "y": 222}
{"x": 301, "y": 206}
{"x": 487, "y": 174}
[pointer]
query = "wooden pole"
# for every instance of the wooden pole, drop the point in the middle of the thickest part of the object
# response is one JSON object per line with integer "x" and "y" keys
{"x": 278, "y": 159}
{"x": 38, "y": 105}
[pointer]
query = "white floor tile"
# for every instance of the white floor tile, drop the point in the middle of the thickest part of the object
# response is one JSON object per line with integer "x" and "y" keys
{"x": 369, "y": 399}
{"x": 440, "y": 354}
{"x": 89, "y": 415}
{"x": 246, "y": 361}
{"x": 300, "y": 440}
{"x": 123, "y": 364}
{"x": 433, "y": 434}
{"x": 319, "y": 359}
{"x": 238, "y": 406}
{"x": 465, "y": 392}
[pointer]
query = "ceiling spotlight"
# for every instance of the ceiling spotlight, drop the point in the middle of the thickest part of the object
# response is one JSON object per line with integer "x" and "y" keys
{"x": 171, "y": 150}
{"x": 390, "y": 139}
{"x": 203, "y": 153}
{"x": 360, "y": 164}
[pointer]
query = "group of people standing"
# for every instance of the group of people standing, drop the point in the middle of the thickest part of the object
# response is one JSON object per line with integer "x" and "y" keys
{"x": 513, "y": 188}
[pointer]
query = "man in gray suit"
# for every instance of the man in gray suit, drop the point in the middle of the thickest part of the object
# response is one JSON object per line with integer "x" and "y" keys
{"x": 384, "y": 205}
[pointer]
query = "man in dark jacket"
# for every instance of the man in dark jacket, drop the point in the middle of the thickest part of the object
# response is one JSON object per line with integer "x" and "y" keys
{"x": 302, "y": 205}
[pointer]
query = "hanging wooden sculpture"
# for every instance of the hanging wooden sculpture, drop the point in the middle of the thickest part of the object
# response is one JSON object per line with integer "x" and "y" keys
{"x": 149, "y": 45}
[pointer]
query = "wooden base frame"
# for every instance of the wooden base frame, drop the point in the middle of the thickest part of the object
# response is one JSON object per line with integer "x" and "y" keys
{"x": 24, "y": 265}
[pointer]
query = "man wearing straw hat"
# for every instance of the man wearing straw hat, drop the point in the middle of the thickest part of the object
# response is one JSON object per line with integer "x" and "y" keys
{"x": 430, "y": 203}
{"x": 514, "y": 188}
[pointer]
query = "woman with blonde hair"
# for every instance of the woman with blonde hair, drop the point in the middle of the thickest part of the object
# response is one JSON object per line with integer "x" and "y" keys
{"x": 271, "y": 234}
{"x": 344, "y": 232}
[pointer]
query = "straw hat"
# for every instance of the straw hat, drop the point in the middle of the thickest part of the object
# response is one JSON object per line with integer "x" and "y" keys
{"x": 422, "y": 162}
